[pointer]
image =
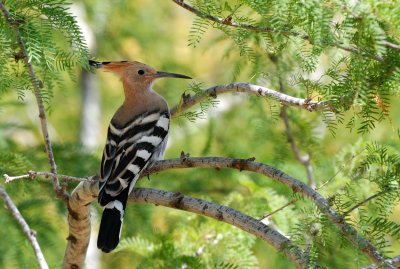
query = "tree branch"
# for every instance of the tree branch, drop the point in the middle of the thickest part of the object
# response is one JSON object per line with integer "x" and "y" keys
{"x": 81, "y": 198}
{"x": 394, "y": 261}
{"x": 255, "y": 28}
{"x": 189, "y": 101}
{"x": 223, "y": 213}
{"x": 296, "y": 185}
{"x": 39, "y": 100}
{"x": 86, "y": 191}
{"x": 30, "y": 234}
{"x": 231, "y": 23}
{"x": 79, "y": 224}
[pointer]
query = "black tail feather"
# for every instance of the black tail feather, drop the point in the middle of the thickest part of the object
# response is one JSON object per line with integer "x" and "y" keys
{"x": 111, "y": 221}
{"x": 110, "y": 229}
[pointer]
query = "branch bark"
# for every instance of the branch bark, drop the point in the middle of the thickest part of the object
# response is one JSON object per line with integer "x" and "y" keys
{"x": 30, "y": 234}
{"x": 223, "y": 213}
{"x": 39, "y": 100}
{"x": 296, "y": 185}
{"x": 79, "y": 224}
{"x": 238, "y": 87}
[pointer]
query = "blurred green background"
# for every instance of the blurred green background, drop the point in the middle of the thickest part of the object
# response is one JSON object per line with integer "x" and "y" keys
{"x": 239, "y": 126}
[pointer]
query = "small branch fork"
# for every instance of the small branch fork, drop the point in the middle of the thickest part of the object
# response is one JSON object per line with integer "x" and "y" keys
{"x": 30, "y": 234}
{"x": 255, "y": 28}
{"x": 241, "y": 87}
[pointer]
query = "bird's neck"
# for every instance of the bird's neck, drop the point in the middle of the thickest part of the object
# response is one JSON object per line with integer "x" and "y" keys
{"x": 135, "y": 92}
{"x": 138, "y": 100}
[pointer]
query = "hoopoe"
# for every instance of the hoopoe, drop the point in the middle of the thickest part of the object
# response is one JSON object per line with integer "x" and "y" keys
{"x": 137, "y": 136}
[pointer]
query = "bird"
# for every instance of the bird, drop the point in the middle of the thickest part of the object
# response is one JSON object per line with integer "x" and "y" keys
{"x": 136, "y": 137}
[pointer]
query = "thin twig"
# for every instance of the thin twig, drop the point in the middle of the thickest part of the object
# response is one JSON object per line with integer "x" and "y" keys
{"x": 391, "y": 45}
{"x": 255, "y": 28}
{"x": 239, "y": 87}
{"x": 30, "y": 234}
{"x": 357, "y": 51}
{"x": 338, "y": 171}
{"x": 367, "y": 200}
{"x": 279, "y": 209}
{"x": 304, "y": 159}
{"x": 395, "y": 261}
{"x": 34, "y": 174}
{"x": 38, "y": 95}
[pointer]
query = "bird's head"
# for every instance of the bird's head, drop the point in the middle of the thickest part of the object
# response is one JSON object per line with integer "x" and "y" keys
{"x": 135, "y": 74}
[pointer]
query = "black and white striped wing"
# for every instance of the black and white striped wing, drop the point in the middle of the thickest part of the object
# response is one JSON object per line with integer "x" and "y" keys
{"x": 129, "y": 150}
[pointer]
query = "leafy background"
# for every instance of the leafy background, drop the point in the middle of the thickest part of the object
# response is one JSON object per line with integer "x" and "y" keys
{"x": 355, "y": 148}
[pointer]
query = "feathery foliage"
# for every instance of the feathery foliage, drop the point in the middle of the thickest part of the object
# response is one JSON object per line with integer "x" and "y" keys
{"x": 53, "y": 42}
{"x": 362, "y": 71}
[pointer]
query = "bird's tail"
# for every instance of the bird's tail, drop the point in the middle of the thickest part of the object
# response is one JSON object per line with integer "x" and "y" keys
{"x": 111, "y": 223}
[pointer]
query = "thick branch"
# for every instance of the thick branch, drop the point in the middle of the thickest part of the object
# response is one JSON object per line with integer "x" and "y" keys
{"x": 255, "y": 28}
{"x": 79, "y": 224}
{"x": 38, "y": 95}
{"x": 225, "y": 214}
{"x": 189, "y": 101}
{"x": 30, "y": 234}
{"x": 87, "y": 191}
{"x": 296, "y": 185}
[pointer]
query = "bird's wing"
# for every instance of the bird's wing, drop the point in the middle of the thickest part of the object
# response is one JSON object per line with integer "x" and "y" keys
{"x": 128, "y": 151}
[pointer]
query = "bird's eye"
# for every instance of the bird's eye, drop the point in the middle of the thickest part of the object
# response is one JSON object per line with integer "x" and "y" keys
{"x": 140, "y": 72}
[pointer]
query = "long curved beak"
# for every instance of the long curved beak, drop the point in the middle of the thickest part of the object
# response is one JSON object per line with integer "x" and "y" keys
{"x": 161, "y": 74}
